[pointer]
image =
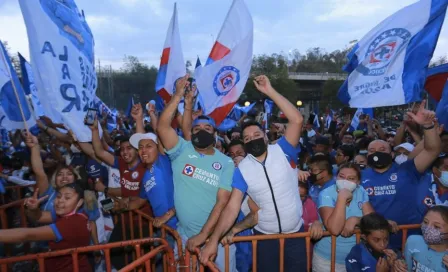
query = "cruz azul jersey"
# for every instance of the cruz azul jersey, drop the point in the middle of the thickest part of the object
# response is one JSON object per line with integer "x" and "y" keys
{"x": 197, "y": 179}
{"x": 130, "y": 179}
{"x": 420, "y": 258}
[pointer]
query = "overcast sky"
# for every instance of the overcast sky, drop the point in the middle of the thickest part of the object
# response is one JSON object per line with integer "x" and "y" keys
{"x": 138, "y": 27}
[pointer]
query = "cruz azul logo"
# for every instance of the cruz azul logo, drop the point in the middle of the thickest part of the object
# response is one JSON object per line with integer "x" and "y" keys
{"x": 225, "y": 80}
{"x": 201, "y": 175}
{"x": 189, "y": 170}
{"x": 383, "y": 51}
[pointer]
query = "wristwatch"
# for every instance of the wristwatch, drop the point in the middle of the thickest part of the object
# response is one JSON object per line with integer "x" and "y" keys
{"x": 429, "y": 127}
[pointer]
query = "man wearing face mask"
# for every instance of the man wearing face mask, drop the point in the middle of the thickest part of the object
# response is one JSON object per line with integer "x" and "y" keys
{"x": 392, "y": 188}
{"x": 321, "y": 175}
{"x": 202, "y": 176}
{"x": 402, "y": 152}
{"x": 268, "y": 175}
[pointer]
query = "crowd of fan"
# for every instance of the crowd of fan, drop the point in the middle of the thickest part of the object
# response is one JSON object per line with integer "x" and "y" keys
{"x": 210, "y": 186}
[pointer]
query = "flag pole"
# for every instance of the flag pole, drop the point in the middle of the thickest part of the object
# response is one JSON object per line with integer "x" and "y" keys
{"x": 15, "y": 89}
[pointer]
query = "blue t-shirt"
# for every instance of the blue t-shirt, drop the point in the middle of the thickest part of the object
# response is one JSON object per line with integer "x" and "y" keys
{"x": 157, "y": 187}
{"x": 420, "y": 258}
{"x": 315, "y": 189}
{"x": 327, "y": 198}
{"x": 360, "y": 259}
{"x": 394, "y": 194}
{"x": 95, "y": 170}
{"x": 291, "y": 154}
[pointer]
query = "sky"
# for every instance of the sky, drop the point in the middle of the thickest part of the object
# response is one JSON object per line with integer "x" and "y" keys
{"x": 138, "y": 27}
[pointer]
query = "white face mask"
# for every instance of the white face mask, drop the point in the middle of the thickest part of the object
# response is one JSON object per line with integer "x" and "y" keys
{"x": 346, "y": 184}
{"x": 401, "y": 158}
{"x": 444, "y": 178}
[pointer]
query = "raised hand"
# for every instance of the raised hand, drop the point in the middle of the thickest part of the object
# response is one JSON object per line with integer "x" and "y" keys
{"x": 181, "y": 85}
{"x": 30, "y": 140}
{"x": 137, "y": 112}
{"x": 263, "y": 84}
{"x": 422, "y": 116}
{"x": 33, "y": 203}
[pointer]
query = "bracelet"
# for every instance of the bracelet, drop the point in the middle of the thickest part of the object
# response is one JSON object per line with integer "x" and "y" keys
{"x": 429, "y": 127}
{"x": 187, "y": 109}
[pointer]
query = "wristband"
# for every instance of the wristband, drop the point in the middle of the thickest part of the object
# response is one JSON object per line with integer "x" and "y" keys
{"x": 429, "y": 127}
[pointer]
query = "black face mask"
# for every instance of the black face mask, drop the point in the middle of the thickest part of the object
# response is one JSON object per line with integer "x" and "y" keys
{"x": 313, "y": 177}
{"x": 256, "y": 147}
{"x": 202, "y": 139}
{"x": 379, "y": 160}
{"x": 362, "y": 166}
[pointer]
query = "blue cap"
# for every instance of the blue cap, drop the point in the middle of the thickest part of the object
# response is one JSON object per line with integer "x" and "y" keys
{"x": 204, "y": 119}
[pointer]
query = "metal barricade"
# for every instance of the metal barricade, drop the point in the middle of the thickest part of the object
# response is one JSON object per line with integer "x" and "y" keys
{"x": 306, "y": 235}
{"x": 16, "y": 190}
{"x": 74, "y": 252}
{"x": 18, "y": 205}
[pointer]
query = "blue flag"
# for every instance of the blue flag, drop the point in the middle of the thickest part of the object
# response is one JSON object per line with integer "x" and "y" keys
{"x": 388, "y": 66}
{"x": 11, "y": 89}
{"x": 198, "y": 63}
{"x": 442, "y": 108}
{"x": 130, "y": 105}
{"x": 29, "y": 86}
{"x": 355, "y": 120}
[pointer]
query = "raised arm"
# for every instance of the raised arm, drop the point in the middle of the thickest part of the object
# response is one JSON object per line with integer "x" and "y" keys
{"x": 334, "y": 217}
{"x": 166, "y": 133}
{"x": 100, "y": 153}
{"x": 20, "y": 235}
{"x": 432, "y": 142}
{"x": 36, "y": 163}
{"x": 295, "y": 118}
{"x": 54, "y": 132}
{"x": 137, "y": 115}
{"x": 188, "y": 114}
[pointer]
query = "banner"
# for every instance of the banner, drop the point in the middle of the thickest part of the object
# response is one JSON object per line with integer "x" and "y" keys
{"x": 62, "y": 57}
{"x": 222, "y": 80}
{"x": 388, "y": 66}
{"x": 30, "y": 87}
{"x": 436, "y": 80}
{"x": 172, "y": 64}
{"x": 12, "y": 97}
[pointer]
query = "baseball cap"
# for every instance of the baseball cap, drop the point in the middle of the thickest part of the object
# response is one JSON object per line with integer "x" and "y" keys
{"x": 204, "y": 119}
{"x": 322, "y": 141}
{"x": 137, "y": 137}
{"x": 409, "y": 147}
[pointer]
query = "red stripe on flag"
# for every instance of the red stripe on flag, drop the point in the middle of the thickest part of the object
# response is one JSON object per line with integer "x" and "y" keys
{"x": 219, "y": 114}
{"x": 165, "y": 56}
{"x": 434, "y": 85}
{"x": 164, "y": 95}
{"x": 219, "y": 51}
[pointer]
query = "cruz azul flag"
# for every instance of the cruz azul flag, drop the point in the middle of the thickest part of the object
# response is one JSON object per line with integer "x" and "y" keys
{"x": 12, "y": 99}
{"x": 442, "y": 108}
{"x": 172, "y": 64}
{"x": 62, "y": 57}
{"x": 268, "y": 105}
{"x": 222, "y": 80}
{"x": 388, "y": 66}
{"x": 29, "y": 86}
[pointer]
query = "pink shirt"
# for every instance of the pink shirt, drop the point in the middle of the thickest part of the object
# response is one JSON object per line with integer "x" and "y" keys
{"x": 309, "y": 213}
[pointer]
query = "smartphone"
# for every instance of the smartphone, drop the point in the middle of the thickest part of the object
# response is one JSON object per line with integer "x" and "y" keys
{"x": 107, "y": 204}
{"x": 90, "y": 116}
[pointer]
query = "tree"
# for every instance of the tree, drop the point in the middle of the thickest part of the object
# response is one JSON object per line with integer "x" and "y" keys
{"x": 439, "y": 61}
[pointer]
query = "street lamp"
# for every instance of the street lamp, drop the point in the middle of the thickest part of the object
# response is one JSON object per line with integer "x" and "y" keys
{"x": 246, "y": 104}
{"x": 299, "y": 103}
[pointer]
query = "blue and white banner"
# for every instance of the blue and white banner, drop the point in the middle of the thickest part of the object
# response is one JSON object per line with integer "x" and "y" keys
{"x": 30, "y": 87}
{"x": 268, "y": 105}
{"x": 329, "y": 119}
{"x": 388, "y": 66}
{"x": 316, "y": 122}
{"x": 62, "y": 57}
{"x": 442, "y": 108}
{"x": 10, "y": 102}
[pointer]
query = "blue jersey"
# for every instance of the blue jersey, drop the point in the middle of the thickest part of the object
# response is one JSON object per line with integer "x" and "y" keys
{"x": 394, "y": 194}
{"x": 360, "y": 259}
{"x": 157, "y": 187}
{"x": 420, "y": 258}
{"x": 315, "y": 190}
{"x": 243, "y": 249}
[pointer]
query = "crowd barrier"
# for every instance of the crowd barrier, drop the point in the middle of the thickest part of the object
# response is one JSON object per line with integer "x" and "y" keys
{"x": 306, "y": 235}
{"x": 17, "y": 205}
{"x": 186, "y": 260}
{"x": 17, "y": 192}
{"x": 74, "y": 252}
